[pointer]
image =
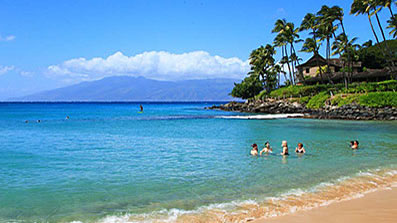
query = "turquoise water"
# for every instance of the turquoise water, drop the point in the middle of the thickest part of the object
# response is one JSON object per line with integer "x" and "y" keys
{"x": 109, "y": 160}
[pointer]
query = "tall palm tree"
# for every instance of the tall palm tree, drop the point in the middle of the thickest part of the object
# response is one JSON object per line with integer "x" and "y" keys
{"x": 343, "y": 46}
{"x": 372, "y": 7}
{"x": 359, "y": 7}
{"x": 263, "y": 66}
{"x": 336, "y": 13}
{"x": 311, "y": 22}
{"x": 310, "y": 46}
{"x": 281, "y": 40}
{"x": 387, "y": 4}
{"x": 376, "y": 6}
{"x": 293, "y": 37}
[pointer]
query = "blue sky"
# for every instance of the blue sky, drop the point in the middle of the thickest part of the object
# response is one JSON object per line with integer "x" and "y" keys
{"x": 49, "y": 44}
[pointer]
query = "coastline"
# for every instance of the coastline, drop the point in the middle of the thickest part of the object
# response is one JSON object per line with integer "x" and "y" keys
{"x": 377, "y": 206}
{"x": 367, "y": 193}
{"x": 288, "y": 106}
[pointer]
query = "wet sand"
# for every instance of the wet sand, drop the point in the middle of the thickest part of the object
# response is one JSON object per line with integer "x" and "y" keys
{"x": 378, "y": 206}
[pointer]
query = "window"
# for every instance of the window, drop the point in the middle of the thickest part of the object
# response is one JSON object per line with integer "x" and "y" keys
{"x": 307, "y": 70}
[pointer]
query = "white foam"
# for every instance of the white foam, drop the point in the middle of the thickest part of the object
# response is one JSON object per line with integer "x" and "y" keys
{"x": 171, "y": 215}
{"x": 270, "y": 116}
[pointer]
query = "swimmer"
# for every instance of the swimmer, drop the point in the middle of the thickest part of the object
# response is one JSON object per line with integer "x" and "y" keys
{"x": 300, "y": 148}
{"x": 254, "y": 150}
{"x": 141, "y": 107}
{"x": 26, "y": 121}
{"x": 285, "y": 148}
{"x": 38, "y": 121}
{"x": 267, "y": 149}
{"x": 354, "y": 144}
{"x": 67, "y": 117}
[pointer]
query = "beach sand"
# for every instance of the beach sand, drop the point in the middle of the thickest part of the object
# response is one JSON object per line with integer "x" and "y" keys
{"x": 378, "y": 206}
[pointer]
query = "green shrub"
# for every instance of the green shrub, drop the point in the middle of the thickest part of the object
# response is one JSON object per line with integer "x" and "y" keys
{"x": 304, "y": 100}
{"x": 379, "y": 99}
{"x": 310, "y": 90}
{"x": 261, "y": 95}
{"x": 340, "y": 101}
{"x": 318, "y": 101}
{"x": 390, "y": 85}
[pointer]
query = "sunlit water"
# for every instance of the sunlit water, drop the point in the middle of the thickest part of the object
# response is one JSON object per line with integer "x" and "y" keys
{"x": 110, "y": 163}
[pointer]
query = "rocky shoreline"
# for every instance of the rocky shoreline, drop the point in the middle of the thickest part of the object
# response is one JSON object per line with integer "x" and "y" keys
{"x": 346, "y": 112}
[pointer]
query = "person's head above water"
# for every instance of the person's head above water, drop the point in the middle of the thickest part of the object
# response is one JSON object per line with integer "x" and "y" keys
{"x": 356, "y": 142}
{"x": 284, "y": 143}
{"x": 267, "y": 143}
{"x": 254, "y": 146}
{"x": 300, "y": 145}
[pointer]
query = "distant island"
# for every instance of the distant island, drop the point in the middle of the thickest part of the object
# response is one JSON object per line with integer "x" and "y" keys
{"x": 360, "y": 84}
{"x": 126, "y": 88}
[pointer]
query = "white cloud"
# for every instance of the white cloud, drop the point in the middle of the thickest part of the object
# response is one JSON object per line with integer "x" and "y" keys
{"x": 155, "y": 65}
{"x": 5, "y": 69}
{"x": 7, "y": 38}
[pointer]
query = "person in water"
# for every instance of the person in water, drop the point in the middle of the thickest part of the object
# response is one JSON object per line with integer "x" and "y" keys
{"x": 267, "y": 149}
{"x": 300, "y": 148}
{"x": 354, "y": 144}
{"x": 254, "y": 150}
{"x": 284, "y": 144}
{"x": 141, "y": 107}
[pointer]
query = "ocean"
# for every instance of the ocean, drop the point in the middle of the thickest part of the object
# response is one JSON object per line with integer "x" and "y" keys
{"x": 177, "y": 162}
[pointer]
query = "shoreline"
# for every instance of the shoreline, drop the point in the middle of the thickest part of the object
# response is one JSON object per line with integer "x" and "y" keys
{"x": 377, "y": 206}
{"x": 326, "y": 195}
{"x": 286, "y": 107}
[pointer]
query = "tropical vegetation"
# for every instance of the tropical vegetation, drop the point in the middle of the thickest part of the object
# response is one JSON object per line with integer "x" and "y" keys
{"x": 324, "y": 31}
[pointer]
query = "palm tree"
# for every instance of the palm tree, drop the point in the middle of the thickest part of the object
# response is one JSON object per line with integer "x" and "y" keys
{"x": 336, "y": 13}
{"x": 310, "y": 46}
{"x": 347, "y": 49}
{"x": 360, "y": 7}
{"x": 372, "y": 7}
{"x": 282, "y": 40}
{"x": 387, "y": 4}
{"x": 263, "y": 66}
{"x": 375, "y": 6}
{"x": 311, "y": 22}
{"x": 293, "y": 37}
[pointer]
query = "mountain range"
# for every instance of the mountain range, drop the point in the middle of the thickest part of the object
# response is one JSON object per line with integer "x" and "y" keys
{"x": 126, "y": 88}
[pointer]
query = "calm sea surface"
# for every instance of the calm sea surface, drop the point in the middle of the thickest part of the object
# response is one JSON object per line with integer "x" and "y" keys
{"x": 109, "y": 162}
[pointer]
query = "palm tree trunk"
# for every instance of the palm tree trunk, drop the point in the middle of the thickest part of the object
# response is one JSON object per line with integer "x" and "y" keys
{"x": 372, "y": 27}
{"x": 328, "y": 55}
{"x": 282, "y": 56}
{"x": 380, "y": 27}
{"x": 297, "y": 61}
{"x": 343, "y": 27}
{"x": 289, "y": 68}
{"x": 388, "y": 51}
{"x": 292, "y": 63}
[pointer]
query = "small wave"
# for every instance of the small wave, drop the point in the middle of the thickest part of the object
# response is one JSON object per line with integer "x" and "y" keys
{"x": 323, "y": 194}
{"x": 263, "y": 117}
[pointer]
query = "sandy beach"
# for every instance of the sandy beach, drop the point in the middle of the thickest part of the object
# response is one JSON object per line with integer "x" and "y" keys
{"x": 378, "y": 206}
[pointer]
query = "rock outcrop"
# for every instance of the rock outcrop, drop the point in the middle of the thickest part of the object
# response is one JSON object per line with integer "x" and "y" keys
{"x": 348, "y": 112}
